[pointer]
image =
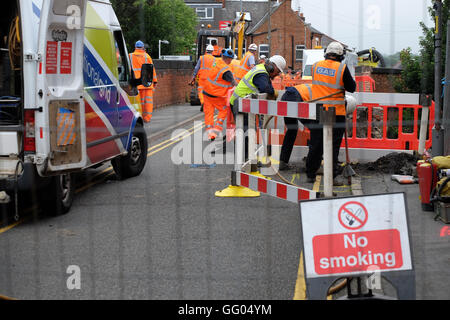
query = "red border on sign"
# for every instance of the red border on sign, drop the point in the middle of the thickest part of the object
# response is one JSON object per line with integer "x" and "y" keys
{"x": 362, "y": 222}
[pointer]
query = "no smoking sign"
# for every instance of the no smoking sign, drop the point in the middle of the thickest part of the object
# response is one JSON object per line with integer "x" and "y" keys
{"x": 355, "y": 235}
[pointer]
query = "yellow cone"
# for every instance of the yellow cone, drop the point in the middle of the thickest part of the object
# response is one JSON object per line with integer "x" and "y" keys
{"x": 237, "y": 192}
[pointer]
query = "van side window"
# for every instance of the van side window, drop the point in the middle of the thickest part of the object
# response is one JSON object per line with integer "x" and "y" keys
{"x": 122, "y": 61}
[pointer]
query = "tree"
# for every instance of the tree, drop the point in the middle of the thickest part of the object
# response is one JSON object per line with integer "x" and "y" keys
{"x": 418, "y": 71}
{"x": 154, "y": 20}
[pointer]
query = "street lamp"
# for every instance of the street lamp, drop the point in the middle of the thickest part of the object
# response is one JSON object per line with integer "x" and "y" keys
{"x": 159, "y": 46}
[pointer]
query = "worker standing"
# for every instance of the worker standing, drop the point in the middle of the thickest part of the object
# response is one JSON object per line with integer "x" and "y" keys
{"x": 204, "y": 64}
{"x": 217, "y": 50}
{"x": 219, "y": 80}
{"x": 300, "y": 93}
{"x": 138, "y": 58}
{"x": 258, "y": 80}
{"x": 330, "y": 79}
{"x": 247, "y": 62}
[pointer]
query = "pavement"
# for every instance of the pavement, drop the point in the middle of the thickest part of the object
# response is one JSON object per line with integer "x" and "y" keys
{"x": 164, "y": 235}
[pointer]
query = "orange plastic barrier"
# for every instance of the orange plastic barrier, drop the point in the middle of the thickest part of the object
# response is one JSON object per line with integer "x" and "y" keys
{"x": 365, "y": 84}
{"x": 383, "y": 127}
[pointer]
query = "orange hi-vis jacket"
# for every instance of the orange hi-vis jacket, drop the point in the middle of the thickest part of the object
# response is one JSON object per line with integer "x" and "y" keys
{"x": 305, "y": 91}
{"x": 206, "y": 63}
{"x": 327, "y": 78}
{"x": 217, "y": 51}
{"x": 235, "y": 65}
{"x": 214, "y": 84}
{"x": 138, "y": 58}
{"x": 243, "y": 68}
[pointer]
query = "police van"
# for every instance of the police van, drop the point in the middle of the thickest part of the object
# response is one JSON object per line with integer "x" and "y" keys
{"x": 68, "y": 98}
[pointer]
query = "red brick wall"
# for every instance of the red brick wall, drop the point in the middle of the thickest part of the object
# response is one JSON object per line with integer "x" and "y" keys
{"x": 173, "y": 78}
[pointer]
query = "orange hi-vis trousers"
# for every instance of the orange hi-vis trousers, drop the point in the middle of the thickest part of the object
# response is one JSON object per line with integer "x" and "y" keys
{"x": 147, "y": 103}
{"x": 210, "y": 105}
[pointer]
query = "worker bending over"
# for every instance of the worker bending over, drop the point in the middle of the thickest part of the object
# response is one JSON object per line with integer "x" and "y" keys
{"x": 204, "y": 64}
{"x": 138, "y": 58}
{"x": 330, "y": 79}
{"x": 219, "y": 80}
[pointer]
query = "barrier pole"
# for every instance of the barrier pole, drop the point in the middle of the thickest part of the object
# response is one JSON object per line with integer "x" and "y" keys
{"x": 328, "y": 118}
{"x": 252, "y": 142}
{"x": 239, "y": 142}
{"x": 425, "y": 102}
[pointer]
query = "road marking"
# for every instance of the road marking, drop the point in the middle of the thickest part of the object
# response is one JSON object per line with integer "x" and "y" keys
{"x": 15, "y": 224}
{"x": 300, "y": 285}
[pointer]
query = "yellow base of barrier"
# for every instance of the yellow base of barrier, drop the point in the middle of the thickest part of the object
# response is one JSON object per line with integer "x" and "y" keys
{"x": 237, "y": 192}
{"x": 258, "y": 174}
{"x": 263, "y": 160}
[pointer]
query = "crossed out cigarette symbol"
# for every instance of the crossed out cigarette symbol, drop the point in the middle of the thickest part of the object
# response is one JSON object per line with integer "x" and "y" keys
{"x": 353, "y": 215}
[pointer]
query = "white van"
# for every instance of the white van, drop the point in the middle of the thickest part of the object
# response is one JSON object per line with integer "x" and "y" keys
{"x": 68, "y": 97}
{"x": 310, "y": 57}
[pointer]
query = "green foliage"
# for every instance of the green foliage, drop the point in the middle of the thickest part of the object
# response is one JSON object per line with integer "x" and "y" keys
{"x": 418, "y": 71}
{"x": 154, "y": 20}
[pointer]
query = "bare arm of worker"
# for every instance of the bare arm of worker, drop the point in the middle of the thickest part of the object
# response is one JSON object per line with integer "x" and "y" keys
{"x": 197, "y": 67}
{"x": 251, "y": 62}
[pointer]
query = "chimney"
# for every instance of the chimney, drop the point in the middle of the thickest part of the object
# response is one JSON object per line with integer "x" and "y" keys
{"x": 302, "y": 16}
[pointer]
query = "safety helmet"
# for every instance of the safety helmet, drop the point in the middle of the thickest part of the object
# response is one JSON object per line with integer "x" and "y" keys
{"x": 279, "y": 62}
{"x": 209, "y": 48}
{"x": 253, "y": 47}
{"x": 262, "y": 57}
{"x": 228, "y": 53}
{"x": 351, "y": 103}
{"x": 139, "y": 44}
{"x": 335, "y": 48}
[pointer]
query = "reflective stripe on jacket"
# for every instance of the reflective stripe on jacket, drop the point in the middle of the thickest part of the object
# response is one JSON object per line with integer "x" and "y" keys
{"x": 327, "y": 78}
{"x": 243, "y": 68}
{"x": 305, "y": 91}
{"x": 206, "y": 63}
{"x": 214, "y": 84}
{"x": 246, "y": 86}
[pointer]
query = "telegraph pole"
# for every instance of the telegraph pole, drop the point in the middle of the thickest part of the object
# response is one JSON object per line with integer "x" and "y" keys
{"x": 438, "y": 135}
{"x": 270, "y": 27}
{"x": 446, "y": 112}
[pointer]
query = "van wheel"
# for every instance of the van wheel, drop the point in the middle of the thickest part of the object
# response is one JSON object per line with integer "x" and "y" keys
{"x": 133, "y": 163}
{"x": 61, "y": 194}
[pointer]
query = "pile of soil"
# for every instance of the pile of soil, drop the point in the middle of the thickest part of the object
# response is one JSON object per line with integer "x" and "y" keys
{"x": 392, "y": 163}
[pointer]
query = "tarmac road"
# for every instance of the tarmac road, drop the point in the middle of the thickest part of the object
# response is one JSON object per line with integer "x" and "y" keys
{"x": 164, "y": 235}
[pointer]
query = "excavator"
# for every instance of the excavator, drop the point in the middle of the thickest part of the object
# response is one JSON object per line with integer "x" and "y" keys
{"x": 231, "y": 37}
{"x": 371, "y": 57}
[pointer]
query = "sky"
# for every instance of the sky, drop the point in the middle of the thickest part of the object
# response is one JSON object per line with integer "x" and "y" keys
{"x": 386, "y": 25}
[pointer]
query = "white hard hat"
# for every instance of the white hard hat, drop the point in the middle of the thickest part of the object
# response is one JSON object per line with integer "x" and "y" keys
{"x": 279, "y": 62}
{"x": 335, "y": 48}
{"x": 253, "y": 47}
{"x": 351, "y": 103}
{"x": 263, "y": 57}
{"x": 209, "y": 48}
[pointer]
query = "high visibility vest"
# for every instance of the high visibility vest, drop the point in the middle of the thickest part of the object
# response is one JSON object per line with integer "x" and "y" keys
{"x": 206, "y": 63}
{"x": 327, "y": 78}
{"x": 246, "y": 86}
{"x": 235, "y": 65}
{"x": 214, "y": 84}
{"x": 243, "y": 68}
{"x": 305, "y": 91}
{"x": 217, "y": 51}
{"x": 138, "y": 58}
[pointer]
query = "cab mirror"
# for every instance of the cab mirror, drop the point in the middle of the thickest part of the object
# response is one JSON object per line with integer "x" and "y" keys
{"x": 147, "y": 75}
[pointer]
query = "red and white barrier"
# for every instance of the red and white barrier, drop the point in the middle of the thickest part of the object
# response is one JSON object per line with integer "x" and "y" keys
{"x": 299, "y": 110}
{"x": 274, "y": 188}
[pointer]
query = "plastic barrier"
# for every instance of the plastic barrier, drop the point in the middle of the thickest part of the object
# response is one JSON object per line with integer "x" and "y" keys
{"x": 245, "y": 179}
{"x": 364, "y": 84}
{"x": 375, "y": 126}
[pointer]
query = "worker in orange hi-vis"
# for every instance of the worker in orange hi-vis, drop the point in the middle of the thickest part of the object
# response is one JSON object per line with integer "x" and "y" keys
{"x": 138, "y": 58}
{"x": 248, "y": 62}
{"x": 235, "y": 65}
{"x": 204, "y": 64}
{"x": 217, "y": 50}
{"x": 220, "y": 79}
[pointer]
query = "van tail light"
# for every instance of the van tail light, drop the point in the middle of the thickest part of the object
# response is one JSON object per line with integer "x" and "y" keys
{"x": 30, "y": 133}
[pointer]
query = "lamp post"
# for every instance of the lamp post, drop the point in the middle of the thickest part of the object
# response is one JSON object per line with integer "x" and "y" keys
{"x": 159, "y": 47}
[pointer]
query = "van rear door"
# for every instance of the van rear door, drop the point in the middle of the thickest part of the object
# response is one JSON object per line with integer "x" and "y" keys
{"x": 60, "y": 115}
